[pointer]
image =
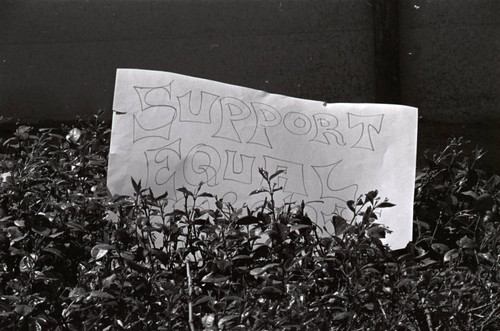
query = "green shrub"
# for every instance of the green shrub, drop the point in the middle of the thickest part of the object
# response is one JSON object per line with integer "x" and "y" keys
{"x": 72, "y": 257}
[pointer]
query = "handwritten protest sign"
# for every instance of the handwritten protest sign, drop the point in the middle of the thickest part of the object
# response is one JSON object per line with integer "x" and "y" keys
{"x": 171, "y": 130}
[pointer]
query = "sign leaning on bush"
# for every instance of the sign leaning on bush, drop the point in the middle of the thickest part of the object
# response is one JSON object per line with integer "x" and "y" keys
{"x": 171, "y": 130}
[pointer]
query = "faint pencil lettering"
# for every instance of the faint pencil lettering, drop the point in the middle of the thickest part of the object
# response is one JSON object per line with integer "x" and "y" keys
{"x": 202, "y": 115}
{"x": 202, "y": 165}
{"x": 157, "y": 113}
{"x": 326, "y": 124}
{"x": 329, "y": 189}
{"x": 297, "y": 123}
{"x": 160, "y": 167}
{"x": 267, "y": 117}
{"x": 292, "y": 179}
{"x": 232, "y": 110}
{"x": 241, "y": 173}
{"x": 366, "y": 123}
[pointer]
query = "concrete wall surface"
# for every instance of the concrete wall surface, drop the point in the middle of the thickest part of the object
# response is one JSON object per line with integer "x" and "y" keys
{"x": 450, "y": 59}
{"x": 58, "y": 57}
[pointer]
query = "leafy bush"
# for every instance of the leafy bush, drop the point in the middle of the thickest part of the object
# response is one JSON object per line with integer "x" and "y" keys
{"x": 72, "y": 257}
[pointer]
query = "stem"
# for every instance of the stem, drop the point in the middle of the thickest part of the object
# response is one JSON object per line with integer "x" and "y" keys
{"x": 271, "y": 193}
{"x": 190, "y": 293}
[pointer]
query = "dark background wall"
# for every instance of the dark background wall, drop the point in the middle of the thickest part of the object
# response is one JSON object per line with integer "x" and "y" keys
{"x": 58, "y": 57}
{"x": 450, "y": 56}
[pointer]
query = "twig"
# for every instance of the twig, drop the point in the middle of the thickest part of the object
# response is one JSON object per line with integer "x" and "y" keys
{"x": 190, "y": 292}
{"x": 382, "y": 309}
{"x": 429, "y": 319}
{"x": 490, "y": 316}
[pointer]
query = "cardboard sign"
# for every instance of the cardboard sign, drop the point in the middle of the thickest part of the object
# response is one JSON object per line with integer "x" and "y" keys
{"x": 171, "y": 130}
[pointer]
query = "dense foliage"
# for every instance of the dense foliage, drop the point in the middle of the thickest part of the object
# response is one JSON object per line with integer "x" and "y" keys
{"x": 72, "y": 257}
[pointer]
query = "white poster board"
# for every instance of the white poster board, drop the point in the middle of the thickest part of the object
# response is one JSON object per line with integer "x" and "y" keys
{"x": 171, "y": 130}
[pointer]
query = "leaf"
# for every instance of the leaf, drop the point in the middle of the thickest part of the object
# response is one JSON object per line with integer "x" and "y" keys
{"x": 385, "y": 204}
{"x": 54, "y": 251}
{"x": 57, "y": 234}
{"x": 420, "y": 175}
{"x": 270, "y": 290}
{"x": 76, "y": 226}
{"x": 23, "y": 309}
{"x": 223, "y": 264}
{"x": 261, "y": 251}
{"x": 260, "y": 190}
{"x": 264, "y": 173}
{"x": 487, "y": 257}
{"x": 493, "y": 181}
{"x": 367, "y": 214}
{"x": 202, "y": 299}
{"x": 299, "y": 227}
{"x": 26, "y": 264}
{"x": 350, "y": 204}
{"x": 105, "y": 246}
{"x": 185, "y": 191}
{"x": 137, "y": 267}
{"x": 135, "y": 185}
{"x": 277, "y": 173}
{"x": 5, "y": 219}
{"x": 232, "y": 298}
{"x": 41, "y": 230}
{"x": 428, "y": 263}
{"x": 127, "y": 256}
{"x": 470, "y": 194}
{"x": 76, "y": 292}
{"x": 201, "y": 221}
{"x": 241, "y": 257}
{"x": 206, "y": 195}
{"x": 214, "y": 278}
{"x": 342, "y": 316}
{"x": 162, "y": 196}
{"x": 369, "y": 306}
{"x": 370, "y": 196}
{"x": 100, "y": 250}
{"x": 466, "y": 243}
{"x": 404, "y": 282}
{"x": 422, "y": 224}
{"x": 451, "y": 255}
{"x": 14, "y": 232}
{"x": 440, "y": 248}
{"x": 161, "y": 255}
{"x": 100, "y": 294}
{"x": 258, "y": 271}
{"x": 15, "y": 251}
{"x": 226, "y": 320}
{"x": 4, "y": 119}
{"x": 106, "y": 282}
{"x": 177, "y": 212}
{"x": 376, "y": 232}
{"x": 99, "y": 253}
{"x": 247, "y": 220}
